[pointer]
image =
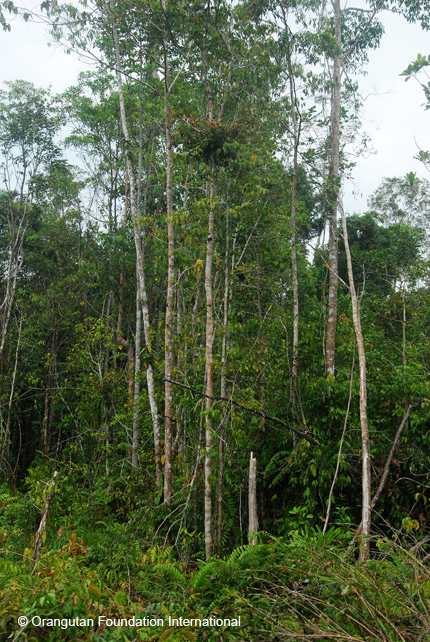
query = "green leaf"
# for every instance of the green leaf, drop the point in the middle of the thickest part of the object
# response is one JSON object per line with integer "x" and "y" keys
{"x": 120, "y": 598}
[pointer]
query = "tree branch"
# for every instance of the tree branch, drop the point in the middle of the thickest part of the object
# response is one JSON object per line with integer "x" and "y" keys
{"x": 255, "y": 411}
{"x": 386, "y": 469}
{"x": 390, "y": 457}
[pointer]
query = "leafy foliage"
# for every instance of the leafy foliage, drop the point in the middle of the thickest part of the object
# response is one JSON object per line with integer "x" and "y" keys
{"x": 234, "y": 83}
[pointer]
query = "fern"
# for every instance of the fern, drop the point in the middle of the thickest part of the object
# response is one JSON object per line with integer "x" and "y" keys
{"x": 277, "y": 466}
{"x": 229, "y": 518}
{"x": 6, "y": 499}
{"x": 252, "y": 556}
{"x": 257, "y": 551}
{"x": 210, "y": 569}
{"x": 171, "y": 572}
{"x": 235, "y": 555}
{"x": 156, "y": 555}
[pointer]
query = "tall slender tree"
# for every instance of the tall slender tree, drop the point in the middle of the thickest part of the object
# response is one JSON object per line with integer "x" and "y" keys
{"x": 139, "y": 254}
{"x": 332, "y": 192}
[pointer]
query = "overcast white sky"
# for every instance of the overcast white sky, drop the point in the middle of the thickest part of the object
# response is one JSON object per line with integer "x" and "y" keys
{"x": 392, "y": 114}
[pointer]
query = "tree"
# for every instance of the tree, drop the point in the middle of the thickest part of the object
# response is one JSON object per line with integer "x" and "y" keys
{"x": 366, "y": 476}
{"x": 27, "y": 147}
{"x": 212, "y": 136}
{"x": 333, "y": 192}
{"x": 29, "y": 158}
{"x": 139, "y": 254}
{"x": 404, "y": 200}
{"x": 385, "y": 256}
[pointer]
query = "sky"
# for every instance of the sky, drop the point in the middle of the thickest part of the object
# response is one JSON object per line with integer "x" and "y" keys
{"x": 392, "y": 116}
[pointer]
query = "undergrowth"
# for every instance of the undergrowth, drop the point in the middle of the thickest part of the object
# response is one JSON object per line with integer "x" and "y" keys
{"x": 307, "y": 586}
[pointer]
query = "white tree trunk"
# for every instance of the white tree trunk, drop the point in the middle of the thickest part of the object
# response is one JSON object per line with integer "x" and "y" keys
{"x": 366, "y": 509}
{"x": 168, "y": 330}
{"x": 209, "y": 369}
{"x": 333, "y": 195}
{"x": 252, "y": 500}
{"x": 296, "y": 134}
{"x": 139, "y": 258}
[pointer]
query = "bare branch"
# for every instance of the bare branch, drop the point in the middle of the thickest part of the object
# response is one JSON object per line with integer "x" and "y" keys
{"x": 255, "y": 411}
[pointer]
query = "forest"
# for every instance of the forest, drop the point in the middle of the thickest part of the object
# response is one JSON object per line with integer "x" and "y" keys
{"x": 214, "y": 380}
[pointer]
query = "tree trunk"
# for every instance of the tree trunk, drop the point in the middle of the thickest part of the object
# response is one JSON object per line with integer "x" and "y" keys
{"x": 45, "y": 421}
{"x": 223, "y": 390}
{"x": 333, "y": 196}
{"x": 209, "y": 368}
{"x": 122, "y": 274}
{"x": 139, "y": 259}
{"x": 168, "y": 333}
{"x": 296, "y": 135}
{"x": 252, "y": 500}
{"x": 12, "y": 272}
{"x": 365, "y": 441}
